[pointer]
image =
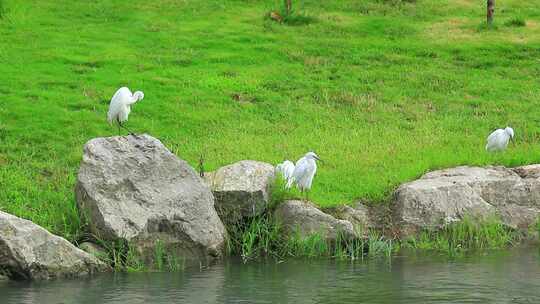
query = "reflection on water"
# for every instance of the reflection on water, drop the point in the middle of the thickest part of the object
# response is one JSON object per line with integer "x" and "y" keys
{"x": 501, "y": 277}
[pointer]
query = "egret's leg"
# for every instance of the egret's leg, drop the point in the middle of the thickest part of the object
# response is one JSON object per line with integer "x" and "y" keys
{"x": 124, "y": 127}
{"x": 119, "y": 126}
{"x": 304, "y": 194}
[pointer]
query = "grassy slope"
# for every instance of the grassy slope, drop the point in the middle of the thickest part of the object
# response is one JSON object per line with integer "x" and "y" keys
{"x": 383, "y": 92}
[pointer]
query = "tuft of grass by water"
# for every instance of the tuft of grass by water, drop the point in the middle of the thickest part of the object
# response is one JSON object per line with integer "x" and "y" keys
{"x": 380, "y": 246}
{"x": 533, "y": 231}
{"x": 123, "y": 257}
{"x": 312, "y": 246}
{"x": 259, "y": 236}
{"x": 159, "y": 255}
{"x": 465, "y": 235}
{"x": 165, "y": 260}
{"x": 263, "y": 237}
{"x": 516, "y": 22}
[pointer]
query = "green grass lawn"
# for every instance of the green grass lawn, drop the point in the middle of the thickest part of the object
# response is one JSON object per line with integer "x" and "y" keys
{"x": 382, "y": 90}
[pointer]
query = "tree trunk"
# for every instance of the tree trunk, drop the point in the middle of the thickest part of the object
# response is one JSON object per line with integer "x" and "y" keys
{"x": 288, "y": 6}
{"x": 490, "y": 11}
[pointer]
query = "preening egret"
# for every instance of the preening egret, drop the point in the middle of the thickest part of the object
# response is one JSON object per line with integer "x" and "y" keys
{"x": 286, "y": 169}
{"x": 120, "y": 106}
{"x": 304, "y": 171}
{"x": 498, "y": 140}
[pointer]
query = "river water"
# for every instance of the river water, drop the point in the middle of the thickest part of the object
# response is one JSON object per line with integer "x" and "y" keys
{"x": 496, "y": 277}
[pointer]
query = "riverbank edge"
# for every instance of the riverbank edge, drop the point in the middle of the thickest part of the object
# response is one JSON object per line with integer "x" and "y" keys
{"x": 263, "y": 237}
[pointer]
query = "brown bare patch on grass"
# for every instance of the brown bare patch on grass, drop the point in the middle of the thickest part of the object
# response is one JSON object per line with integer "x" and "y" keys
{"x": 345, "y": 98}
{"x": 340, "y": 19}
{"x": 465, "y": 3}
{"x": 450, "y": 30}
{"x": 527, "y": 34}
{"x": 466, "y": 30}
{"x": 315, "y": 61}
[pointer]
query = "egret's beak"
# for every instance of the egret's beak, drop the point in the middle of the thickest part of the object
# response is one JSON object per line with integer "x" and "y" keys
{"x": 319, "y": 159}
{"x": 512, "y": 139}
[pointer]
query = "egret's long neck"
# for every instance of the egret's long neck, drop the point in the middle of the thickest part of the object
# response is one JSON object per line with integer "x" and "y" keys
{"x": 133, "y": 99}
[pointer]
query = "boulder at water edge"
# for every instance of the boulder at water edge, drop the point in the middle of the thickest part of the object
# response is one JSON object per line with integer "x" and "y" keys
{"x": 359, "y": 215}
{"x": 303, "y": 219}
{"x": 29, "y": 252}
{"x": 132, "y": 188}
{"x": 446, "y": 196}
{"x": 241, "y": 190}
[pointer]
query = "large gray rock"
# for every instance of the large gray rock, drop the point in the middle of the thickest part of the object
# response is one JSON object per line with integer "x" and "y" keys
{"x": 304, "y": 219}
{"x": 241, "y": 190}
{"x": 132, "y": 188}
{"x": 29, "y": 252}
{"x": 445, "y": 196}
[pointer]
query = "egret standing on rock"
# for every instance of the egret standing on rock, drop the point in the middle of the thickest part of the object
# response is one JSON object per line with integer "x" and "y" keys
{"x": 286, "y": 169}
{"x": 120, "y": 106}
{"x": 498, "y": 140}
{"x": 304, "y": 171}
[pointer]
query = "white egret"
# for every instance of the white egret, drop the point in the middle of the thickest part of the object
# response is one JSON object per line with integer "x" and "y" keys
{"x": 304, "y": 171}
{"x": 120, "y": 106}
{"x": 286, "y": 169}
{"x": 498, "y": 140}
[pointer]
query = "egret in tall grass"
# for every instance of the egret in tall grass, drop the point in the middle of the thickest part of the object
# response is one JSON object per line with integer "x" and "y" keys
{"x": 304, "y": 171}
{"x": 286, "y": 169}
{"x": 120, "y": 106}
{"x": 498, "y": 140}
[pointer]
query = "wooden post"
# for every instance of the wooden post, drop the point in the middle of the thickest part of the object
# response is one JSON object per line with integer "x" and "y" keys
{"x": 490, "y": 11}
{"x": 288, "y": 6}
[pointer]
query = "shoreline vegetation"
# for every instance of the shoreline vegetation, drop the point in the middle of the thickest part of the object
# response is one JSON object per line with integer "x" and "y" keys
{"x": 261, "y": 238}
{"x": 384, "y": 91}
